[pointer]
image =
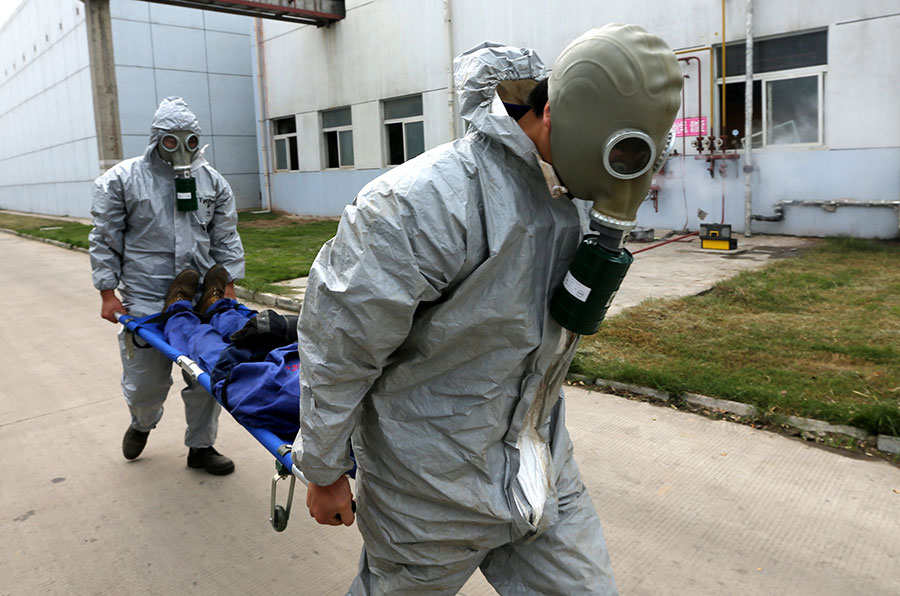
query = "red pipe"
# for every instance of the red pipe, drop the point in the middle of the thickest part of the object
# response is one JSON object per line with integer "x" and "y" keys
{"x": 666, "y": 242}
{"x": 699, "y": 88}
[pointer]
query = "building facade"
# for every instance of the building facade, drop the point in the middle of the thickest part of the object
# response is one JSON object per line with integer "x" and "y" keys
{"x": 50, "y": 158}
{"x": 344, "y": 103}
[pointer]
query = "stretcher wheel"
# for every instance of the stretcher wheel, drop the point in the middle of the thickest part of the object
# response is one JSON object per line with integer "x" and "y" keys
{"x": 280, "y": 521}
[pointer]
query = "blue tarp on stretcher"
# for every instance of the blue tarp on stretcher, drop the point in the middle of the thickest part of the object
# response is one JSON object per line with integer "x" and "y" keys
{"x": 150, "y": 329}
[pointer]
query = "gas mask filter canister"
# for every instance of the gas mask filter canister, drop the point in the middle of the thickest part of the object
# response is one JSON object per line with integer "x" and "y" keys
{"x": 179, "y": 148}
{"x": 613, "y": 93}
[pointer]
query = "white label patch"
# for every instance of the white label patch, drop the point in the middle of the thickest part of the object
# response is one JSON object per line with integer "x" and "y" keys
{"x": 183, "y": 195}
{"x": 576, "y": 288}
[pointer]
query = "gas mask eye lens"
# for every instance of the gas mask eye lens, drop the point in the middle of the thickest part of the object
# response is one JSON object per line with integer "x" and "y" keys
{"x": 192, "y": 143}
{"x": 628, "y": 154}
{"x": 169, "y": 142}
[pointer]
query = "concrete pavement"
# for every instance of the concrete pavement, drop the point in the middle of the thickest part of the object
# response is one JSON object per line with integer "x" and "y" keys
{"x": 690, "y": 506}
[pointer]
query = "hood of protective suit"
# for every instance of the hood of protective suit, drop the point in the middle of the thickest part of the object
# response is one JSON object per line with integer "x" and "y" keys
{"x": 614, "y": 93}
{"x": 478, "y": 73}
{"x": 172, "y": 114}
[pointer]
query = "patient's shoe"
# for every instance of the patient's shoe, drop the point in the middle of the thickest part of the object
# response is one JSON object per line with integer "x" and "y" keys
{"x": 183, "y": 288}
{"x": 133, "y": 442}
{"x": 210, "y": 460}
{"x": 213, "y": 288}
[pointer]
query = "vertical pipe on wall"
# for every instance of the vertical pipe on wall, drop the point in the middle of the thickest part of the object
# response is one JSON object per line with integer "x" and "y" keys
{"x": 263, "y": 112}
{"x": 748, "y": 126}
{"x": 722, "y": 121}
{"x": 103, "y": 83}
{"x": 451, "y": 89}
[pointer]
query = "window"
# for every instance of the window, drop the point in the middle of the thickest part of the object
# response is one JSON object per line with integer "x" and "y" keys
{"x": 404, "y": 128}
{"x": 788, "y": 87}
{"x": 284, "y": 138}
{"x": 338, "y": 138}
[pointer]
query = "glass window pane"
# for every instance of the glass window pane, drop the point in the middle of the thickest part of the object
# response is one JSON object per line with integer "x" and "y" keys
{"x": 334, "y": 118}
{"x": 395, "y": 143}
{"x": 734, "y": 113}
{"x": 405, "y": 107}
{"x": 793, "y": 51}
{"x": 280, "y": 154}
{"x": 346, "y": 144}
{"x": 285, "y": 125}
{"x": 770, "y": 55}
{"x": 415, "y": 138}
{"x": 292, "y": 149}
{"x": 331, "y": 150}
{"x": 792, "y": 111}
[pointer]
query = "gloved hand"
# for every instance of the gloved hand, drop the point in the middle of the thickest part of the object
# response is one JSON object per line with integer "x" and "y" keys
{"x": 267, "y": 329}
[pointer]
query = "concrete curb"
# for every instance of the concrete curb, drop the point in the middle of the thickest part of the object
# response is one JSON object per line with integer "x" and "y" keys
{"x": 885, "y": 443}
{"x": 268, "y": 299}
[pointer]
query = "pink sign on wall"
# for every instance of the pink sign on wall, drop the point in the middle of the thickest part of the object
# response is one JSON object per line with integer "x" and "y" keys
{"x": 689, "y": 127}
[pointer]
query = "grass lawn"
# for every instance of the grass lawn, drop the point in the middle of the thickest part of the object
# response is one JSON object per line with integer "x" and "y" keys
{"x": 68, "y": 232}
{"x": 279, "y": 247}
{"x": 276, "y": 247}
{"x": 815, "y": 336}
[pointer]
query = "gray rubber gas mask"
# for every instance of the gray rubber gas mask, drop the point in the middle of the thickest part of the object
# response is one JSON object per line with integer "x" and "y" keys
{"x": 614, "y": 93}
{"x": 179, "y": 148}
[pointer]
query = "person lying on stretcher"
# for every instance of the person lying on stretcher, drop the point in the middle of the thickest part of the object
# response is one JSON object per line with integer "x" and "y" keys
{"x": 252, "y": 360}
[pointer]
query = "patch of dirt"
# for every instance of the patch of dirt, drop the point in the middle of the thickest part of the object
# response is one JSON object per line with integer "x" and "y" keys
{"x": 284, "y": 219}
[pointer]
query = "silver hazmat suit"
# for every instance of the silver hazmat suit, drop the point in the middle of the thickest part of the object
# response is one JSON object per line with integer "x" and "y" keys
{"x": 425, "y": 341}
{"x": 138, "y": 244}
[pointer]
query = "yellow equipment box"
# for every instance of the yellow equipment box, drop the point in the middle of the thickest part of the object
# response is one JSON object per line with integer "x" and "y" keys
{"x": 717, "y": 237}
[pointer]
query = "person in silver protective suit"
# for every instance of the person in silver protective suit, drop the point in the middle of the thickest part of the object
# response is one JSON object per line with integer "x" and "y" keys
{"x": 425, "y": 341}
{"x": 154, "y": 216}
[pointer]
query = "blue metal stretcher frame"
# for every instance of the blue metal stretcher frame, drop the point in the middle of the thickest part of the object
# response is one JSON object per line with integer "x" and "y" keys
{"x": 152, "y": 333}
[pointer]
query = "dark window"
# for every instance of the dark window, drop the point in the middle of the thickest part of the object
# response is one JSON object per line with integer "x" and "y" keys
{"x": 770, "y": 55}
{"x": 404, "y": 128}
{"x": 285, "y": 142}
{"x": 338, "y": 133}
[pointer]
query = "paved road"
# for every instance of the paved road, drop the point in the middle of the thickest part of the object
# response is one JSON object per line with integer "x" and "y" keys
{"x": 690, "y": 506}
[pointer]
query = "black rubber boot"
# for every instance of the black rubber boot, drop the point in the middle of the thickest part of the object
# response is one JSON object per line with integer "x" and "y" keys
{"x": 213, "y": 288}
{"x": 210, "y": 460}
{"x": 183, "y": 287}
{"x": 133, "y": 442}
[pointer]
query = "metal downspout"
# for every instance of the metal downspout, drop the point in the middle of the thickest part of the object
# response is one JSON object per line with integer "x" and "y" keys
{"x": 451, "y": 89}
{"x": 722, "y": 121}
{"x": 748, "y": 126}
{"x": 263, "y": 111}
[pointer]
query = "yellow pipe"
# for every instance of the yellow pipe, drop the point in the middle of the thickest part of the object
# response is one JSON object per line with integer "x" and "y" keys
{"x": 712, "y": 80}
{"x": 722, "y": 123}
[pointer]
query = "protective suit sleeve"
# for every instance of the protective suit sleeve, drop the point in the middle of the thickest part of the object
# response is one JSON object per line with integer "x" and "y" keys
{"x": 225, "y": 245}
{"x": 107, "y": 237}
{"x": 389, "y": 256}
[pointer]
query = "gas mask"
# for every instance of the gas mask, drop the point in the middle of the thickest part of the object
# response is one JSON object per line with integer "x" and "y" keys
{"x": 613, "y": 93}
{"x": 178, "y": 148}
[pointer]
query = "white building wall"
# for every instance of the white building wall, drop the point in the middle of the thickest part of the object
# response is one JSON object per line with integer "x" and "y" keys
{"x": 389, "y": 48}
{"x": 48, "y": 157}
{"x": 202, "y": 56}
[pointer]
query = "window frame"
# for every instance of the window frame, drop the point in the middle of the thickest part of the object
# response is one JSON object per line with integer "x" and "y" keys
{"x": 337, "y": 130}
{"x": 783, "y": 75}
{"x": 287, "y": 138}
{"x": 403, "y": 121}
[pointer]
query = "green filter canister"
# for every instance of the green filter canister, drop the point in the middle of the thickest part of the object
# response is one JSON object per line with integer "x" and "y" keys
{"x": 186, "y": 194}
{"x": 580, "y": 303}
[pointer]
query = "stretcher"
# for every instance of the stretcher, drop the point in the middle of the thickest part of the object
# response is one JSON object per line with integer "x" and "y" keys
{"x": 150, "y": 330}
